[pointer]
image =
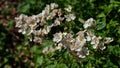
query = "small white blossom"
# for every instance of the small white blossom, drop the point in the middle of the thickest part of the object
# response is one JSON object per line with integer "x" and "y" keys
{"x": 60, "y": 45}
{"x": 57, "y": 37}
{"x": 101, "y": 46}
{"x": 89, "y": 36}
{"x": 79, "y": 43}
{"x": 83, "y": 52}
{"x": 45, "y": 13}
{"x": 52, "y": 14}
{"x": 95, "y": 41}
{"x": 45, "y": 50}
{"x": 31, "y": 22}
{"x": 53, "y": 5}
{"x": 19, "y": 20}
{"x": 37, "y": 40}
{"x": 72, "y": 46}
{"x": 56, "y": 22}
{"x": 81, "y": 33}
{"x": 108, "y": 40}
{"x": 81, "y": 56}
{"x": 68, "y": 9}
{"x": 47, "y": 8}
{"x": 37, "y": 32}
{"x": 46, "y": 30}
{"x": 70, "y": 17}
{"x": 59, "y": 12}
{"x": 23, "y": 32}
{"x": 89, "y": 23}
{"x": 64, "y": 33}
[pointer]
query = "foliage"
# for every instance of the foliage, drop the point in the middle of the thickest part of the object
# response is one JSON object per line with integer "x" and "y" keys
{"x": 19, "y": 52}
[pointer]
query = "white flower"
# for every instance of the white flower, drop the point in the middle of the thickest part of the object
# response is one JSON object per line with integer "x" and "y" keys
{"x": 30, "y": 31}
{"x": 22, "y": 31}
{"x": 45, "y": 50}
{"x": 72, "y": 46}
{"x": 19, "y": 20}
{"x": 79, "y": 43}
{"x": 57, "y": 37}
{"x": 46, "y": 29}
{"x": 18, "y": 23}
{"x": 31, "y": 22}
{"x": 59, "y": 12}
{"x": 53, "y": 5}
{"x": 47, "y": 8}
{"x": 56, "y": 22}
{"x": 89, "y": 23}
{"x": 52, "y": 14}
{"x": 60, "y": 45}
{"x": 83, "y": 52}
{"x": 38, "y": 17}
{"x": 67, "y": 40}
{"x": 70, "y": 17}
{"x": 81, "y": 56}
{"x": 42, "y": 21}
{"x": 34, "y": 17}
{"x": 108, "y": 40}
{"x": 95, "y": 41}
{"x": 101, "y": 46}
{"x": 45, "y": 13}
{"x": 81, "y": 33}
{"x": 68, "y": 9}
{"x": 64, "y": 33}
{"x": 37, "y": 40}
{"x": 89, "y": 36}
{"x": 37, "y": 32}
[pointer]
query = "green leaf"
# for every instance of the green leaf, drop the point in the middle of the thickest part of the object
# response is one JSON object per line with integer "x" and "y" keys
{"x": 112, "y": 24}
{"x": 62, "y": 65}
{"x": 24, "y": 8}
{"x": 118, "y": 30}
{"x": 11, "y": 23}
{"x": 101, "y": 22}
{"x": 39, "y": 60}
{"x": 33, "y": 49}
{"x": 51, "y": 66}
{"x": 47, "y": 43}
{"x": 7, "y": 66}
{"x": 101, "y": 15}
{"x": 100, "y": 25}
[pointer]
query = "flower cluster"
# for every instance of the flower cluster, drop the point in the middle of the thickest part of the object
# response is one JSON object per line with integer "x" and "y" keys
{"x": 96, "y": 42}
{"x": 37, "y": 26}
{"x": 78, "y": 45}
{"x": 75, "y": 46}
